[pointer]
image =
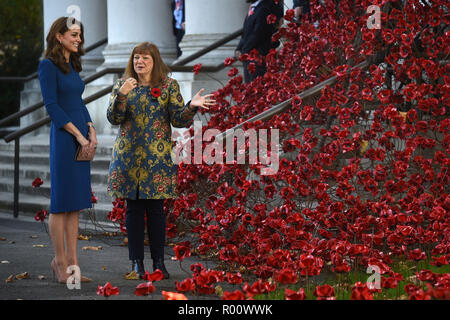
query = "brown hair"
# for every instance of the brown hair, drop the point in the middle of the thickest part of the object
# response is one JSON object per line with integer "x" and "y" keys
{"x": 54, "y": 50}
{"x": 160, "y": 69}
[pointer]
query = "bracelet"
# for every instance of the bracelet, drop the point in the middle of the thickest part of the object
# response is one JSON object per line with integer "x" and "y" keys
{"x": 121, "y": 96}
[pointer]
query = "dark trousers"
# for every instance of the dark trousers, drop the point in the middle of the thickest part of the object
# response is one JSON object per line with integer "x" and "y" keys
{"x": 156, "y": 227}
{"x": 179, "y": 34}
{"x": 259, "y": 71}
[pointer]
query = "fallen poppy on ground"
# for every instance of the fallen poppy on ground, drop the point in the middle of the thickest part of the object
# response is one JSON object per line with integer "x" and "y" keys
{"x": 107, "y": 290}
{"x": 144, "y": 289}
{"x": 167, "y": 295}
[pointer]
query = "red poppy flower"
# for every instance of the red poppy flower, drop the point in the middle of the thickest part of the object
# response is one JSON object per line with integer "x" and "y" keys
{"x": 229, "y": 61}
{"x": 155, "y": 276}
{"x": 439, "y": 261}
{"x": 388, "y": 36}
{"x": 234, "y": 278}
{"x": 258, "y": 287}
{"x": 361, "y": 292}
{"x": 197, "y": 68}
{"x": 417, "y": 255}
{"x": 271, "y": 18}
{"x": 186, "y": 285}
{"x": 294, "y": 295}
{"x": 251, "y": 67}
{"x": 420, "y": 295}
{"x": 389, "y": 283}
{"x": 235, "y": 295}
{"x": 41, "y": 215}
{"x": 289, "y": 15}
{"x": 232, "y": 72}
{"x": 325, "y": 292}
{"x": 426, "y": 275}
{"x": 167, "y": 295}
{"x": 286, "y": 276}
{"x": 37, "y": 182}
{"x": 182, "y": 252}
{"x": 94, "y": 199}
{"x": 156, "y": 92}
{"x": 107, "y": 290}
{"x": 144, "y": 289}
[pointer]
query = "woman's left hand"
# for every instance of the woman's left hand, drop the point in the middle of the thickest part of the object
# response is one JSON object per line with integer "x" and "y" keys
{"x": 93, "y": 138}
{"x": 202, "y": 101}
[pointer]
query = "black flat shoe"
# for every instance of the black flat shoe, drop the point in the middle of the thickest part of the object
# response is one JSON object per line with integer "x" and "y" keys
{"x": 159, "y": 264}
{"x": 138, "y": 266}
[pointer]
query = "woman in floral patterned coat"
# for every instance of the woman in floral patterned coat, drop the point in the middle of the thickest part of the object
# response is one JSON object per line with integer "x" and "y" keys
{"x": 145, "y": 102}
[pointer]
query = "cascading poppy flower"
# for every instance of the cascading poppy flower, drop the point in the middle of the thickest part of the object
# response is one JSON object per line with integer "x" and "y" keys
{"x": 186, "y": 285}
{"x": 367, "y": 152}
{"x": 107, "y": 290}
{"x": 155, "y": 276}
{"x": 325, "y": 292}
{"x": 271, "y": 18}
{"x": 94, "y": 199}
{"x": 294, "y": 295}
{"x": 182, "y": 252}
{"x": 229, "y": 61}
{"x": 426, "y": 275}
{"x": 41, "y": 215}
{"x": 389, "y": 283}
{"x": 234, "y": 278}
{"x": 197, "y": 68}
{"x": 417, "y": 255}
{"x": 37, "y": 182}
{"x": 286, "y": 276}
{"x": 360, "y": 291}
{"x": 235, "y": 295}
{"x": 144, "y": 289}
{"x": 168, "y": 295}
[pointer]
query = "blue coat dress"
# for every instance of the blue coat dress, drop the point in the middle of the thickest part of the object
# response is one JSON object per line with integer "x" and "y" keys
{"x": 70, "y": 179}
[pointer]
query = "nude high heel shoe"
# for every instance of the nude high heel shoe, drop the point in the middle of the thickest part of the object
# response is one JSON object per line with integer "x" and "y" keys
{"x": 56, "y": 275}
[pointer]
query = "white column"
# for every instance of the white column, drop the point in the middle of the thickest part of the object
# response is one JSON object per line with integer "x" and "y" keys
{"x": 134, "y": 21}
{"x": 208, "y": 21}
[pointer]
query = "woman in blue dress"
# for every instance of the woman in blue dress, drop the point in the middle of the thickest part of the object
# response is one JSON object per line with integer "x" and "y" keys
{"x": 71, "y": 126}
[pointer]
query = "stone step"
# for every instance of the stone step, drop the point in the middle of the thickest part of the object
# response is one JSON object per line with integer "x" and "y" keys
{"x": 26, "y": 188}
{"x": 44, "y": 150}
{"x": 30, "y": 205}
{"x": 40, "y": 144}
{"x": 32, "y": 85}
{"x": 100, "y": 162}
{"x": 28, "y": 171}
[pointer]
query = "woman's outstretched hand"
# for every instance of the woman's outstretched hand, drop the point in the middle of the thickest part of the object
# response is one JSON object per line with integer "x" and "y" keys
{"x": 202, "y": 101}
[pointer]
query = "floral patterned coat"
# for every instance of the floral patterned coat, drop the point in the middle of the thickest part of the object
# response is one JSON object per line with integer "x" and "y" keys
{"x": 141, "y": 157}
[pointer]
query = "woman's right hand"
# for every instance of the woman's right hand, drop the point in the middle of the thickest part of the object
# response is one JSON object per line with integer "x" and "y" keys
{"x": 83, "y": 141}
{"x": 128, "y": 85}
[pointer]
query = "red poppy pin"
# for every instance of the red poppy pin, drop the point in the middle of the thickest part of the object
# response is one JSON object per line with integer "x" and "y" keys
{"x": 156, "y": 92}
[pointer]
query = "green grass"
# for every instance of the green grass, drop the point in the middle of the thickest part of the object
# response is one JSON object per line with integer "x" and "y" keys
{"x": 343, "y": 283}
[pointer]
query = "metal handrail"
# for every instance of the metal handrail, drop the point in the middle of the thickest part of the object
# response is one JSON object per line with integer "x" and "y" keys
{"x": 209, "y": 48}
{"x": 21, "y": 132}
{"x": 35, "y": 74}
